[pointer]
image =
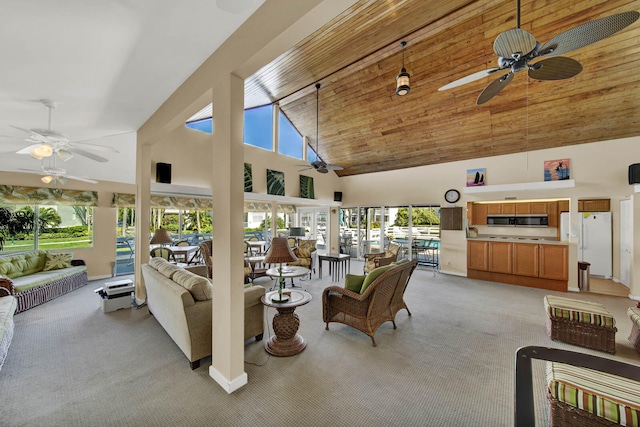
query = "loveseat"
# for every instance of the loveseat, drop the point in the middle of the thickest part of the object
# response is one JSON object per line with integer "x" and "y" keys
{"x": 39, "y": 276}
{"x": 8, "y": 306}
{"x": 180, "y": 300}
{"x": 367, "y": 301}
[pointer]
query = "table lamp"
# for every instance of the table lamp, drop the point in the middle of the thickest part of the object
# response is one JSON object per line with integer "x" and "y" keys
{"x": 278, "y": 253}
{"x": 161, "y": 237}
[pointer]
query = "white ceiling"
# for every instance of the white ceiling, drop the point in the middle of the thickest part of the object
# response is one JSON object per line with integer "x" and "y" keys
{"x": 108, "y": 65}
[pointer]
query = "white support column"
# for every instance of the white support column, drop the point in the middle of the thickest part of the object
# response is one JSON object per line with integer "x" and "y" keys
{"x": 143, "y": 209}
{"x": 228, "y": 196}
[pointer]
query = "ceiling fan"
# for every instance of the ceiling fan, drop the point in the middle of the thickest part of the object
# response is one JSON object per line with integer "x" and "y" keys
{"x": 319, "y": 164}
{"x": 55, "y": 175}
{"x": 46, "y": 142}
{"x": 516, "y": 48}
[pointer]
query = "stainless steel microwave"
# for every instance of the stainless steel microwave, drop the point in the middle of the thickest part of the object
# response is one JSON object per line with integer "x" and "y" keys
{"x": 518, "y": 221}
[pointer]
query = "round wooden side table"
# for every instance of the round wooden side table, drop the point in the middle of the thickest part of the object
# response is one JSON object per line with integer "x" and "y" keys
{"x": 286, "y": 340}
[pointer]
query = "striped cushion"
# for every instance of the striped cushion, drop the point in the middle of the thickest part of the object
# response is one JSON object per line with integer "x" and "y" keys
{"x": 634, "y": 315}
{"x": 609, "y": 396}
{"x": 579, "y": 311}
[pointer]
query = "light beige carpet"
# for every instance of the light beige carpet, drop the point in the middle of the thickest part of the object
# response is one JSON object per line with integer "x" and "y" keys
{"x": 450, "y": 364}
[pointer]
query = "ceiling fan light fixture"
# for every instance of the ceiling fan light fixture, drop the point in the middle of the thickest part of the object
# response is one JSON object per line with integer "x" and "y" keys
{"x": 46, "y": 179}
{"x": 402, "y": 80}
{"x": 64, "y": 155}
{"x": 43, "y": 150}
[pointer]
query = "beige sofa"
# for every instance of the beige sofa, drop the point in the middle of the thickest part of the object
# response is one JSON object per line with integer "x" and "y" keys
{"x": 180, "y": 300}
{"x": 8, "y": 304}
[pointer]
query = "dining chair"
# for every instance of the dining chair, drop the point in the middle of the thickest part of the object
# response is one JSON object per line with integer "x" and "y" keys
{"x": 163, "y": 252}
{"x": 182, "y": 256}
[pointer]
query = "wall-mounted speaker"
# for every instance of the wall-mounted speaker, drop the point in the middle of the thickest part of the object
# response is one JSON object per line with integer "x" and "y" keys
{"x": 634, "y": 174}
{"x": 337, "y": 196}
{"x": 163, "y": 173}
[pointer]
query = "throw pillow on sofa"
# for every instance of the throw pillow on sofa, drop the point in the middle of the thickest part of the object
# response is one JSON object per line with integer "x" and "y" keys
{"x": 200, "y": 287}
{"x": 56, "y": 261}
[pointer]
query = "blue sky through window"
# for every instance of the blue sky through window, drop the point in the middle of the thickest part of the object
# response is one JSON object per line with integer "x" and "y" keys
{"x": 204, "y": 125}
{"x": 258, "y": 127}
{"x": 289, "y": 139}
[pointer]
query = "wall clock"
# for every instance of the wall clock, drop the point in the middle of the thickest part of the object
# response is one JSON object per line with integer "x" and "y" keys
{"x": 452, "y": 196}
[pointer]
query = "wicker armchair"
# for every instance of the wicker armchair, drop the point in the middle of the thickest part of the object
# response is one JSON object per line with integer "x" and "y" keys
{"x": 304, "y": 253}
{"x": 379, "y": 303}
{"x": 373, "y": 261}
{"x": 206, "y": 249}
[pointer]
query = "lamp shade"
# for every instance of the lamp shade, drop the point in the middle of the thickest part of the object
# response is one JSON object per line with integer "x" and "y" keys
{"x": 297, "y": 232}
{"x": 160, "y": 237}
{"x": 402, "y": 82}
{"x": 279, "y": 252}
{"x": 43, "y": 150}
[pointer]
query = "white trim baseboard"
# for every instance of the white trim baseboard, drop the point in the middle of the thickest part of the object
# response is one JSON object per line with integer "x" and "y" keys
{"x": 228, "y": 386}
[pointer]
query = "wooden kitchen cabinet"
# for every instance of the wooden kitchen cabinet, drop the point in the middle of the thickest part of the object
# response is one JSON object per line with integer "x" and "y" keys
{"x": 523, "y": 208}
{"x": 479, "y": 214}
{"x": 525, "y": 259}
{"x": 508, "y": 208}
{"x": 563, "y": 206}
{"x": 494, "y": 208}
{"x": 538, "y": 207}
{"x": 594, "y": 205}
{"x": 552, "y": 214}
{"x": 501, "y": 257}
{"x": 554, "y": 262}
{"x": 477, "y": 255}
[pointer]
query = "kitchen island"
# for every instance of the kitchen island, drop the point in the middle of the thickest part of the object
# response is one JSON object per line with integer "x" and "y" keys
{"x": 524, "y": 261}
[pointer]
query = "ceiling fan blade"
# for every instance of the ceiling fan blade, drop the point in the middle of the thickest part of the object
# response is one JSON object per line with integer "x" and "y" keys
{"x": 556, "y": 68}
{"x": 513, "y": 42}
{"x": 334, "y": 168}
{"x": 27, "y": 149}
{"x": 494, "y": 88}
{"x": 88, "y": 155}
{"x": 81, "y": 178}
{"x": 30, "y": 170}
{"x": 591, "y": 32}
{"x": 470, "y": 78}
{"x": 95, "y": 147}
{"x": 306, "y": 169}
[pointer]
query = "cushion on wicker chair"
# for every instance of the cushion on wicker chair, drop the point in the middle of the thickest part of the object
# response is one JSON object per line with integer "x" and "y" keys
{"x": 609, "y": 396}
{"x": 371, "y": 276}
{"x": 354, "y": 282}
{"x": 579, "y": 311}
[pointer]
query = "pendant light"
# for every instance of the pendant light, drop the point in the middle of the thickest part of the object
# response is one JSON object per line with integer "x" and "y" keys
{"x": 402, "y": 81}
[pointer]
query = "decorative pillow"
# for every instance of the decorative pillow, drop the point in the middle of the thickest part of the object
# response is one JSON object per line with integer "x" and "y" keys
{"x": 354, "y": 282}
{"x": 168, "y": 270}
{"x": 200, "y": 287}
{"x": 155, "y": 262}
{"x": 6, "y": 287}
{"x": 56, "y": 261}
{"x": 373, "y": 275}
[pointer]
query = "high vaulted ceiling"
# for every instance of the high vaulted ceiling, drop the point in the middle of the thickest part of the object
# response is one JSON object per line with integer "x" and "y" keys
{"x": 110, "y": 65}
{"x": 365, "y": 127}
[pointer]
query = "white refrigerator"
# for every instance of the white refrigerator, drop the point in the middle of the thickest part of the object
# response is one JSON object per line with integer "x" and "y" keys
{"x": 595, "y": 242}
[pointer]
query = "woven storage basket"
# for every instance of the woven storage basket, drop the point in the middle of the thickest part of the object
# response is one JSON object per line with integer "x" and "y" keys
{"x": 563, "y": 415}
{"x": 583, "y": 334}
{"x": 634, "y": 337}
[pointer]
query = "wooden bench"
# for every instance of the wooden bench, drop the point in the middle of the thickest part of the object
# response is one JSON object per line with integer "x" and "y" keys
{"x": 583, "y": 323}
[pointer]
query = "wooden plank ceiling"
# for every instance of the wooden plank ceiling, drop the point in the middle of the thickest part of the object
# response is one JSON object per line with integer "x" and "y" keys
{"x": 365, "y": 127}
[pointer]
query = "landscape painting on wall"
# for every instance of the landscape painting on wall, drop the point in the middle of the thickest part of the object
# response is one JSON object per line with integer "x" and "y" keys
{"x": 556, "y": 170}
{"x": 476, "y": 177}
{"x": 275, "y": 182}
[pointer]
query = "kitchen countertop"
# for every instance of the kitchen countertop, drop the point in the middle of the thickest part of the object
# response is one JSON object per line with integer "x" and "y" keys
{"x": 519, "y": 239}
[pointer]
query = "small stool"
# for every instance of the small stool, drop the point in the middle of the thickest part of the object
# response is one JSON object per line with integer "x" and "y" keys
{"x": 634, "y": 337}
{"x": 583, "y": 323}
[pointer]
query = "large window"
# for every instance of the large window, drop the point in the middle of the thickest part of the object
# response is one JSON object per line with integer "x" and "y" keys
{"x": 258, "y": 127}
{"x": 289, "y": 139}
{"x": 48, "y": 227}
